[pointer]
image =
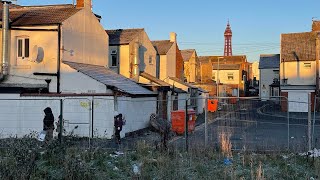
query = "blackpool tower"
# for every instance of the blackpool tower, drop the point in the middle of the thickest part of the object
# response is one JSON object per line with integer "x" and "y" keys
{"x": 227, "y": 41}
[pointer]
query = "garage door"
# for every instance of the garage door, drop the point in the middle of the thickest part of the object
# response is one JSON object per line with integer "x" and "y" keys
{"x": 298, "y": 101}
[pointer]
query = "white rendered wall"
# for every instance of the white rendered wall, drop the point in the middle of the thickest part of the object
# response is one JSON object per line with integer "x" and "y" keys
{"x": 266, "y": 79}
{"x": 136, "y": 111}
{"x": 297, "y": 74}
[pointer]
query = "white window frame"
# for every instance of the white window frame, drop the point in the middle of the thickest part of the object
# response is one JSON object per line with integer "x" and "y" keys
{"x": 24, "y": 55}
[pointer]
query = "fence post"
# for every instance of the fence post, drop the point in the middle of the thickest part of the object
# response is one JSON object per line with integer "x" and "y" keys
{"x": 61, "y": 121}
{"x": 288, "y": 118}
{"x": 206, "y": 123}
{"x": 314, "y": 121}
{"x": 186, "y": 126}
{"x": 309, "y": 121}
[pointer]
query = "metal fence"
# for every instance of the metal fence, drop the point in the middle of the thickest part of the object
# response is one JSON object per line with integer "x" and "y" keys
{"x": 236, "y": 123}
{"x": 256, "y": 125}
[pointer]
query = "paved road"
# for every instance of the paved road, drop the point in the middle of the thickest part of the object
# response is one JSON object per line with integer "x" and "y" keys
{"x": 255, "y": 125}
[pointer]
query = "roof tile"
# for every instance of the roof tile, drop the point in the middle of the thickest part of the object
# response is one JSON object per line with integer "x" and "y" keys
{"x": 122, "y": 36}
{"x": 162, "y": 47}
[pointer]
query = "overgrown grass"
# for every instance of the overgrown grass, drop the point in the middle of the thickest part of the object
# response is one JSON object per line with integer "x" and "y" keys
{"x": 24, "y": 159}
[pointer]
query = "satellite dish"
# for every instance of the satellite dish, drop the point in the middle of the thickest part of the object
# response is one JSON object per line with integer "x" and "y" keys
{"x": 37, "y": 54}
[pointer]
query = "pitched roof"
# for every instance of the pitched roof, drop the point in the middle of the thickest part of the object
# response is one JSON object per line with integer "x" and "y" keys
{"x": 181, "y": 82}
{"x": 110, "y": 78}
{"x": 187, "y": 53}
{"x": 226, "y": 66}
{"x": 122, "y": 36}
{"x": 162, "y": 47}
{"x": 228, "y": 59}
{"x": 298, "y": 46}
{"x": 269, "y": 61}
{"x": 154, "y": 79}
{"x": 40, "y": 15}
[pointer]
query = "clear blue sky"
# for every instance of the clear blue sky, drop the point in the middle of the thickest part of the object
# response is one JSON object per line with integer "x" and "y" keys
{"x": 256, "y": 24}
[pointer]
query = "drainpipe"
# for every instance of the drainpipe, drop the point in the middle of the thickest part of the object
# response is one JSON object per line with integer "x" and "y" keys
{"x": 59, "y": 59}
{"x": 5, "y": 39}
{"x": 136, "y": 62}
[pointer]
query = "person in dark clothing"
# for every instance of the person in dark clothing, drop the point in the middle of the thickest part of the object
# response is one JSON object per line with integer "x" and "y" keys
{"x": 118, "y": 123}
{"x": 48, "y": 124}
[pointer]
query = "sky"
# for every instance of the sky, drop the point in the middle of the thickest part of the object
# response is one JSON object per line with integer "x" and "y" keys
{"x": 256, "y": 24}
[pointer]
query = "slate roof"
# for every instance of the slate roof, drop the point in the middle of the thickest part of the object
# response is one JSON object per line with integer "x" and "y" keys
{"x": 187, "y": 54}
{"x": 298, "y": 46}
{"x": 110, "y": 78}
{"x": 269, "y": 61}
{"x": 122, "y": 36}
{"x": 40, "y": 15}
{"x": 154, "y": 79}
{"x": 226, "y": 66}
{"x": 162, "y": 47}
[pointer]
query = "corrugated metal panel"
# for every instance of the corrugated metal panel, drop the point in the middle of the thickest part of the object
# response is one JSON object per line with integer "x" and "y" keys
{"x": 110, "y": 78}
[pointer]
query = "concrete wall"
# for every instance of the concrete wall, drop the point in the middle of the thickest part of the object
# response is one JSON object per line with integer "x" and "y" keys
{"x": 126, "y": 56}
{"x": 136, "y": 111}
{"x": 146, "y": 51}
{"x": 25, "y": 115}
{"x": 255, "y": 70}
{"x": 21, "y": 70}
{"x": 190, "y": 69}
{"x": 73, "y": 81}
{"x": 297, "y": 74}
{"x": 168, "y": 64}
{"x": 83, "y": 34}
{"x": 266, "y": 79}
{"x": 223, "y": 76}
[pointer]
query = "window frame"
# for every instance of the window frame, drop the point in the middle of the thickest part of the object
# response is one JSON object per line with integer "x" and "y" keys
{"x": 307, "y": 65}
{"x": 228, "y": 75}
{"x": 23, "y": 52}
{"x": 116, "y": 62}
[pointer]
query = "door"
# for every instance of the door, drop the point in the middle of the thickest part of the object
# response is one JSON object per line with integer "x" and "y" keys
{"x": 298, "y": 101}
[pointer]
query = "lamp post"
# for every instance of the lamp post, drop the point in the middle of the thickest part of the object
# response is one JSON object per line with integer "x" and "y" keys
{"x": 218, "y": 79}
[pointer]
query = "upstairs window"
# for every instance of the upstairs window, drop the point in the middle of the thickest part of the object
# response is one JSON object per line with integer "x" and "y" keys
{"x": 230, "y": 76}
{"x": 307, "y": 65}
{"x": 23, "y": 48}
{"x": 214, "y": 76}
{"x": 114, "y": 58}
{"x": 150, "y": 60}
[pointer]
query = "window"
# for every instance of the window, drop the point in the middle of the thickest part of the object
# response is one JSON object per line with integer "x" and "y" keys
{"x": 213, "y": 76}
{"x": 114, "y": 60}
{"x": 23, "y": 48}
{"x": 230, "y": 76}
{"x": 150, "y": 60}
{"x": 307, "y": 65}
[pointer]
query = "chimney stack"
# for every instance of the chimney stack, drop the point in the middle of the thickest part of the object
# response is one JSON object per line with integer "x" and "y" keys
{"x": 173, "y": 37}
{"x": 84, "y": 4}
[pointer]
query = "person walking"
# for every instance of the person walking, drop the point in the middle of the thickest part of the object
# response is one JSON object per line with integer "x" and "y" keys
{"x": 118, "y": 123}
{"x": 48, "y": 124}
